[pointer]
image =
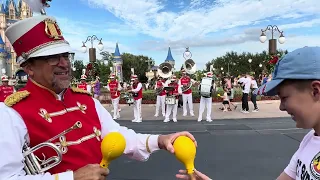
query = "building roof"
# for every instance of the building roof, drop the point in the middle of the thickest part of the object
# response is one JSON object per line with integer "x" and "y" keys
{"x": 117, "y": 55}
{"x": 169, "y": 56}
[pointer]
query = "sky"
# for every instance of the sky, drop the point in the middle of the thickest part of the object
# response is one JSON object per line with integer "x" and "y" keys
{"x": 210, "y": 28}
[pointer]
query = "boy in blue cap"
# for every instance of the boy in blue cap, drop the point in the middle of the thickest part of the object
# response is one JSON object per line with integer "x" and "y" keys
{"x": 296, "y": 80}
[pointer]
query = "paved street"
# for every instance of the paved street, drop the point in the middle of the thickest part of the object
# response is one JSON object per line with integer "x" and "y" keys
{"x": 246, "y": 149}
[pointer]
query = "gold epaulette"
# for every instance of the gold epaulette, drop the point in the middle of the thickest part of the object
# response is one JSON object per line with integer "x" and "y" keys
{"x": 78, "y": 90}
{"x": 16, "y": 97}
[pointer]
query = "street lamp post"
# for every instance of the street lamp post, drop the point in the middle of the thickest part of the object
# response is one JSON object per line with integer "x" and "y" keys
{"x": 272, "y": 41}
{"x": 92, "y": 50}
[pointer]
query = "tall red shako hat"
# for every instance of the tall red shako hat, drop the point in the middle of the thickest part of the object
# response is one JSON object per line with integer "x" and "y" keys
{"x": 36, "y": 36}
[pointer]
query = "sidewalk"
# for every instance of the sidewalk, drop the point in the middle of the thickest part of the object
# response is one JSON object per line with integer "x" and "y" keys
{"x": 268, "y": 109}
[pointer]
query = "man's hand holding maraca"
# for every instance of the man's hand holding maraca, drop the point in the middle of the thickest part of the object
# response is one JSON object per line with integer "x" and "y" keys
{"x": 166, "y": 141}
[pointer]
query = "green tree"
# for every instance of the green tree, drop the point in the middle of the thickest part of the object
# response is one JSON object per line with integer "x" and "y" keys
{"x": 78, "y": 65}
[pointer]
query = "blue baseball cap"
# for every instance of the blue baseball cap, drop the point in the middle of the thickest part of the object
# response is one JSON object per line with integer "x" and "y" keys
{"x": 302, "y": 63}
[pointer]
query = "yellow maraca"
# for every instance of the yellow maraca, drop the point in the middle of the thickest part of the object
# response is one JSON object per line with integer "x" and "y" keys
{"x": 112, "y": 147}
{"x": 185, "y": 152}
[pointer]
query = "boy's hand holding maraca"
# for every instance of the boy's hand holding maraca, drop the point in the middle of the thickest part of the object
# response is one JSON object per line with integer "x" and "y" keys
{"x": 166, "y": 141}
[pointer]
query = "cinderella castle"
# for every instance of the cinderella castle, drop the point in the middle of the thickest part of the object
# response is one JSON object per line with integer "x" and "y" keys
{"x": 11, "y": 11}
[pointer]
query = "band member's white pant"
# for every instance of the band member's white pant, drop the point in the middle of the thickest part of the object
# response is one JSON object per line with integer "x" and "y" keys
{"x": 115, "y": 103}
{"x": 161, "y": 102}
{"x": 187, "y": 98}
{"x": 137, "y": 110}
{"x": 205, "y": 103}
{"x": 170, "y": 108}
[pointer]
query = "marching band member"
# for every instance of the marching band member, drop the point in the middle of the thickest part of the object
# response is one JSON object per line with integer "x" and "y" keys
{"x": 137, "y": 96}
{"x": 83, "y": 84}
{"x": 114, "y": 88}
{"x": 160, "y": 97}
{"x": 5, "y": 88}
{"x": 185, "y": 81}
{"x": 47, "y": 106}
{"x": 206, "y": 102}
{"x": 173, "y": 107}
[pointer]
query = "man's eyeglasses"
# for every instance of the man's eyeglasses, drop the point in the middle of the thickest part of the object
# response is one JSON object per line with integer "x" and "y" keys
{"x": 54, "y": 60}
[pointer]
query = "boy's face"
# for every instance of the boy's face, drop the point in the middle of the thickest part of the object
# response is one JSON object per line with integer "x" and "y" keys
{"x": 302, "y": 105}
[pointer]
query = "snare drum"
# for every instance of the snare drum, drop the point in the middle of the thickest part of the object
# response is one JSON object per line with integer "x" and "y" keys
{"x": 129, "y": 100}
{"x": 171, "y": 100}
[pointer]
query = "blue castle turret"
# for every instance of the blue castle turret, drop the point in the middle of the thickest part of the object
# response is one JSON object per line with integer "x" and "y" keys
{"x": 117, "y": 63}
{"x": 117, "y": 55}
{"x": 169, "y": 58}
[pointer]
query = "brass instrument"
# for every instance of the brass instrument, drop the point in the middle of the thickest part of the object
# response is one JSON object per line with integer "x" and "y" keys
{"x": 165, "y": 70}
{"x": 159, "y": 90}
{"x": 190, "y": 66}
{"x": 186, "y": 87}
{"x": 34, "y": 165}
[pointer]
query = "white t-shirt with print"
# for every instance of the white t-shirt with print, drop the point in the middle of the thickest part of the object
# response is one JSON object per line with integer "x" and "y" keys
{"x": 305, "y": 163}
{"x": 247, "y": 83}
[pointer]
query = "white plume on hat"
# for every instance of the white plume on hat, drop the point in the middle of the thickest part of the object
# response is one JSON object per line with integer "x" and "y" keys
{"x": 35, "y": 5}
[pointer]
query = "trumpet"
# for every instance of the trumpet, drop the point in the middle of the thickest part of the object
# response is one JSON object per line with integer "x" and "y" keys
{"x": 34, "y": 165}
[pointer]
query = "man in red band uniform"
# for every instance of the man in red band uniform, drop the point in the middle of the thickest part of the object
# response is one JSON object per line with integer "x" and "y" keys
{"x": 47, "y": 106}
{"x": 160, "y": 97}
{"x": 83, "y": 84}
{"x": 185, "y": 80}
{"x": 136, "y": 90}
{"x": 173, "y": 107}
{"x": 114, "y": 88}
{"x": 5, "y": 89}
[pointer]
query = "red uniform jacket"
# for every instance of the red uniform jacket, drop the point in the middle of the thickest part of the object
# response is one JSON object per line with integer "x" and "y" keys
{"x": 113, "y": 85}
{"x": 5, "y": 91}
{"x": 159, "y": 85}
{"x": 185, "y": 82}
{"x": 45, "y": 117}
{"x": 135, "y": 85}
{"x": 175, "y": 91}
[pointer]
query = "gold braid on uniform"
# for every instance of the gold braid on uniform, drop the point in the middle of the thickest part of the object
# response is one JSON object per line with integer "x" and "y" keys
{"x": 78, "y": 90}
{"x": 16, "y": 97}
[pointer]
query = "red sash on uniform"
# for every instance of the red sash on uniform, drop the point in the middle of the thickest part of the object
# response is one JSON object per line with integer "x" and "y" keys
{"x": 113, "y": 85}
{"x": 45, "y": 117}
{"x": 5, "y": 91}
{"x": 135, "y": 85}
{"x": 185, "y": 82}
{"x": 83, "y": 86}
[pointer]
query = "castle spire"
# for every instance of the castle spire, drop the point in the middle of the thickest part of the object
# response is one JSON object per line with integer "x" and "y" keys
{"x": 117, "y": 55}
{"x": 169, "y": 58}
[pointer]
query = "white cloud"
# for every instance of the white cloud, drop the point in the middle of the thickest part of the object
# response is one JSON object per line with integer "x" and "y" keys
{"x": 76, "y": 32}
{"x": 151, "y": 18}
